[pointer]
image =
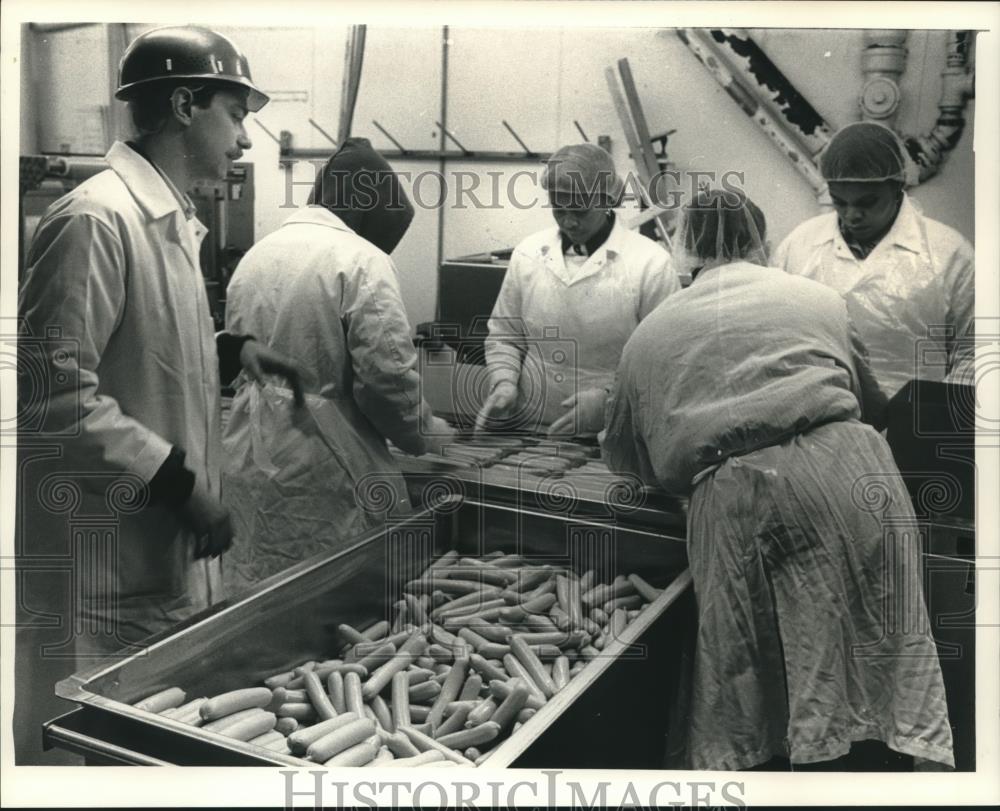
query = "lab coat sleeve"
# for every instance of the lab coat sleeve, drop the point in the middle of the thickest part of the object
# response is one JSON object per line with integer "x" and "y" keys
{"x": 71, "y": 301}
{"x": 873, "y": 401}
{"x": 383, "y": 359}
{"x": 505, "y": 345}
{"x": 962, "y": 315}
{"x": 658, "y": 281}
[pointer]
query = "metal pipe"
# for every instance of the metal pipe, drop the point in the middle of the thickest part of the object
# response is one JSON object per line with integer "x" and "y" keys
{"x": 957, "y": 87}
{"x": 882, "y": 63}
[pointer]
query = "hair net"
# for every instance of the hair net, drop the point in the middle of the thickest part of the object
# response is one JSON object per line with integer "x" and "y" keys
{"x": 864, "y": 152}
{"x": 359, "y": 186}
{"x": 717, "y": 228}
{"x": 584, "y": 170}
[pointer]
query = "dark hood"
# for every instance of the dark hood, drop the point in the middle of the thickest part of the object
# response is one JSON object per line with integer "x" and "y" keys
{"x": 358, "y": 185}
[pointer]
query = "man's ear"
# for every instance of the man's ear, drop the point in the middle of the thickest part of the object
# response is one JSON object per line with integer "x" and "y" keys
{"x": 182, "y": 104}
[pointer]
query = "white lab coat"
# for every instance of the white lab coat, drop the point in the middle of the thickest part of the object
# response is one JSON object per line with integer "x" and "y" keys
{"x": 302, "y": 482}
{"x": 558, "y": 329}
{"x": 912, "y": 299}
{"x": 119, "y": 349}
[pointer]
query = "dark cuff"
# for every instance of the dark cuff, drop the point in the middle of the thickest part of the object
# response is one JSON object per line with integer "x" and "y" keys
{"x": 228, "y": 347}
{"x": 173, "y": 483}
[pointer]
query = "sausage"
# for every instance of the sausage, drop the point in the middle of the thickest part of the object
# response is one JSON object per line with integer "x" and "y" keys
{"x": 422, "y": 759}
{"x": 300, "y": 740}
{"x": 560, "y": 672}
{"x": 279, "y": 679}
{"x": 515, "y": 701}
{"x": 480, "y": 714}
{"x": 445, "y": 561}
{"x": 351, "y": 634}
{"x": 545, "y": 637}
{"x": 598, "y": 616}
{"x": 381, "y": 710}
{"x": 443, "y": 637}
{"x": 377, "y": 657}
{"x": 488, "y": 631}
{"x": 454, "y": 722}
{"x": 418, "y": 714}
{"x": 286, "y": 726}
{"x": 450, "y": 689}
{"x": 531, "y": 663}
{"x": 335, "y": 689}
{"x": 628, "y": 601}
{"x": 318, "y": 697}
{"x": 333, "y": 743}
{"x": 360, "y": 754}
{"x": 168, "y": 699}
{"x": 251, "y": 726}
{"x": 376, "y": 631}
{"x": 546, "y": 653}
{"x": 383, "y": 758}
{"x": 488, "y": 611}
{"x": 502, "y": 689}
{"x": 377, "y": 682}
{"x": 617, "y": 623}
{"x": 488, "y": 669}
{"x": 525, "y": 714}
{"x": 220, "y": 724}
{"x": 270, "y": 737}
{"x": 540, "y": 604}
{"x": 398, "y": 744}
{"x": 484, "y": 733}
{"x": 425, "y": 692}
{"x": 648, "y": 592}
{"x": 513, "y": 614}
{"x": 400, "y": 698}
{"x": 353, "y": 698}
{"x": 472, "y": 687}
{"x": 467, "y": 603}
{"x": 415, "y": 609}
{"x": 541, "y": 623}
{"x": 235, "y": 700}
{"x": 586, "y": 581}
{"x": 490, "y": 575}
{"x": 445, "y": 584}
{"x": 300, "y": 712}
{"x": 424, "y": 742}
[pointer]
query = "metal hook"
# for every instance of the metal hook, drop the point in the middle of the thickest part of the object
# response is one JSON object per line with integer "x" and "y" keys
{"x": 274, "y": 137}
{"x": 323, "y": 132}
{"x": 386, "y": 133}
{"x": 453, "y": 138}
{"x": 517, "y": 138}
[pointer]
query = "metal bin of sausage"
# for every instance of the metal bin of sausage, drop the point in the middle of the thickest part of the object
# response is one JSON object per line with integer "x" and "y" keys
{"x": 466, "y": 634}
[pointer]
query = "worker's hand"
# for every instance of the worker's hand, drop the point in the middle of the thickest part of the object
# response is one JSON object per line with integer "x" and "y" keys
{"x": 259, "y": 359}
{"x": 585, "y": 416}
{"x": 437, "y": 434}
{"x": 209, "y": 520}
{"x": 498, "y": 405}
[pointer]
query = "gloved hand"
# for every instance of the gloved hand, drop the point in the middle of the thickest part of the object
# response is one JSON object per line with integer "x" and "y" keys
{"x": 209, "y": 519}
{"x": 585, "y": 416}
{"x": 259, "y": 359}
{"x": 498, "y": 405}
{"x": 437, "y": 434}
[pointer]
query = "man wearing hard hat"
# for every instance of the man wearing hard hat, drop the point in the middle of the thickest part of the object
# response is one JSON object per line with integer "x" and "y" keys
{"x": 120, "y": 472}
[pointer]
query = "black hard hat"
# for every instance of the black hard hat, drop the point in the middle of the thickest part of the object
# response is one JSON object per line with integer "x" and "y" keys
{"x": 185, "y": 52}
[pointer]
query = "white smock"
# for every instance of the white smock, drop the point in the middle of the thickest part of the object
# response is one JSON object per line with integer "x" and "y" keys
{"x": 304, "y": 481}
{"x": 559, "y": 328}
{"x": 912, "y": 299}
{"x": 120, "y": 359}
{"x": 745, "y": 391}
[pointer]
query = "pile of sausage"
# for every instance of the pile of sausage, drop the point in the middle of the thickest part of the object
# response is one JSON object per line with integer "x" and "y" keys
{"x": 476, "y": 648}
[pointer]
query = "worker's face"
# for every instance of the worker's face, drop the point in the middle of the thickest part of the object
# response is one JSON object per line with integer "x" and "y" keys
{"x": 866, "y": 210}
{"x": 578, "y": 218}
{"x": 217, "y": 135}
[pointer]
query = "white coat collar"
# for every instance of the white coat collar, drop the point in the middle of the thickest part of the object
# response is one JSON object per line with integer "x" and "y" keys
{"x": 147, "y": 186}
{"x": 550, "y": 252}
{"x": 905, "y": 232}
{"x": 318, "y": 215}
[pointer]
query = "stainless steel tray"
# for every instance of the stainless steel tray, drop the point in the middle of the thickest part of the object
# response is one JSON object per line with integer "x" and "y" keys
{"x": 293, "y": 617}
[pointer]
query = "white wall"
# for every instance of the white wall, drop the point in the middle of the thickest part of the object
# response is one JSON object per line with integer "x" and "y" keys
{"x": 537, "y": 80}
